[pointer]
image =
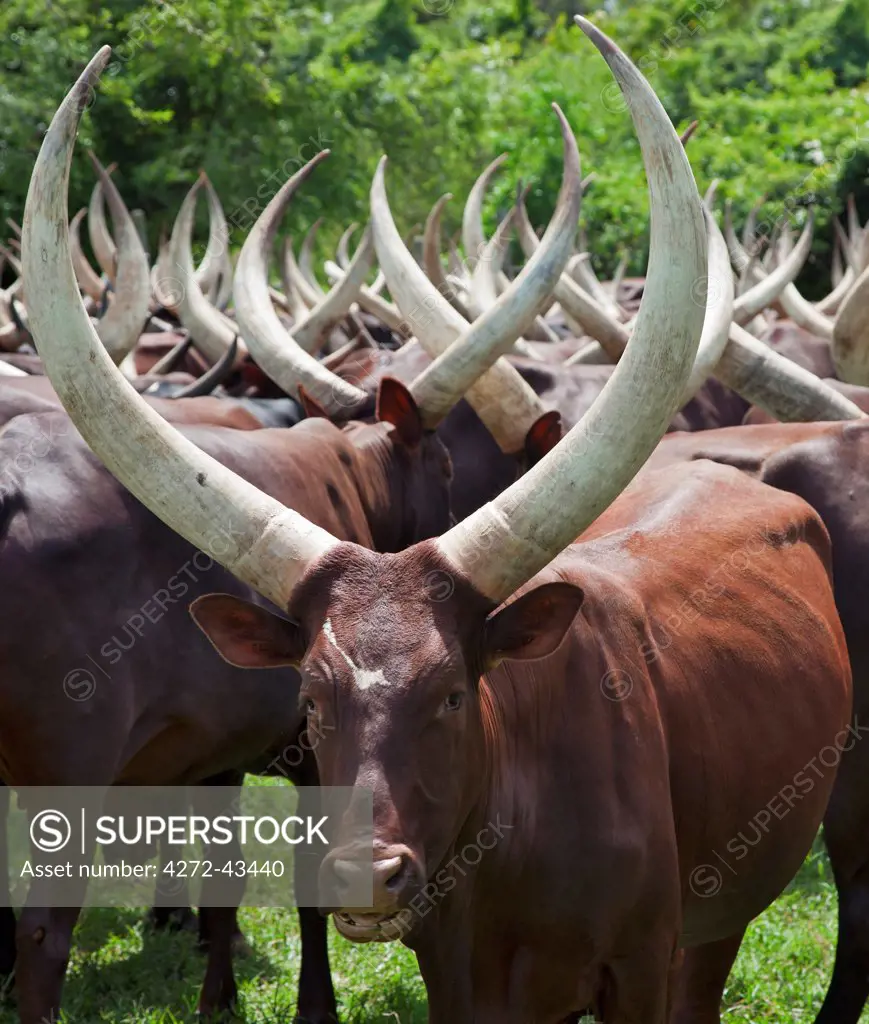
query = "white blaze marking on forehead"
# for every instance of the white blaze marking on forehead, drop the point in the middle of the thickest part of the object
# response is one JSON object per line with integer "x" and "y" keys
{"x": 362, "y": 677}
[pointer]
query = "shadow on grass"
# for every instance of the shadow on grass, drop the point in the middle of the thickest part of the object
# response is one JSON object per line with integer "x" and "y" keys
{"x": 815, "y": 875}
{"x": 122, "y": 969}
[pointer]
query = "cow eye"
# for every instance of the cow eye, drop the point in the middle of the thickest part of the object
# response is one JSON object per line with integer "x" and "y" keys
{"x": 308, "y": 706}
{"x": 454, "y": 701}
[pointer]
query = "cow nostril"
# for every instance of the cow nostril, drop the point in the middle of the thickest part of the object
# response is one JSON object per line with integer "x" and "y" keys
{"x": 395, "y": 880}
{"x": 389, "y": 873}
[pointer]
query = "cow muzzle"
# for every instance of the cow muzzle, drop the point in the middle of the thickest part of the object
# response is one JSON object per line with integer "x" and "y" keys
{"x": 396, "y": 876}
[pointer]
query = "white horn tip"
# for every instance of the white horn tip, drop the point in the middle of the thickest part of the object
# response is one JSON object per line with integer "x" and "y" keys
{"x": 595, "y": 35}
{"x": 80, "y": 93}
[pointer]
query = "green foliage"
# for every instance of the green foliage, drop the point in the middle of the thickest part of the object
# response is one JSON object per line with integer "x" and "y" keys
{"x": 251, "y": 89}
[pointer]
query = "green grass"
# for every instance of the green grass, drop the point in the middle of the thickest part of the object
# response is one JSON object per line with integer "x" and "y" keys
{"x": 121, "y": 972}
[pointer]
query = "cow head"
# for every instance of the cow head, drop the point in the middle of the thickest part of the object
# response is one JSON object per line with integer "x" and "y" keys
{"x": 391, "y": 652}
{"x": 403, "y": 471}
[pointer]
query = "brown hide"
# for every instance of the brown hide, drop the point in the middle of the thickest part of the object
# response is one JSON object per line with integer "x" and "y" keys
{"x": 705, "y": 669}
{"x": 19, "y": 395}
{"x": 826, "y": 464}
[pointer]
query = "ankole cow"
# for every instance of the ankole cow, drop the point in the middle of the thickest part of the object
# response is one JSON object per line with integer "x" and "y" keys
{"x": 827, "y": 465}
{"x": 383, "y": 485}
{"x": 460, "y": 711}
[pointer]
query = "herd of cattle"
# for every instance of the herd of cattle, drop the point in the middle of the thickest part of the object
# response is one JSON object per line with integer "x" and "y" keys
{"x": 373, "y": 494}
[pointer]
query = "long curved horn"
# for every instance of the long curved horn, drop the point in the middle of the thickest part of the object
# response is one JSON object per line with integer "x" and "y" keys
{"x": 837, "y": 271}
{"x": 806, "y": 314}
{"x": 256, "y": 538}
{"x": 372, "y": 303}
{"x": 776, "y": 384}
{"x": 851, "y": 250}
{"x": 767, "y": 290}
{"x": 293, "y": 273}
{"x": 102, "y": 243}
{"x": 493, "y": 333}
{"x": 88, "y": 279}
{"x": 685, "y": 137}
{"x": 276, "y": 351}
{"x": 122, "y": 324}
{"x": 619, "y": 275}
{"x": 739, "y": 255}
{"x": 719, "y": 310}
{"x": 854, "y": 229}
{"x": 831, "y": 303}
{"x": 212, "y": 377}
{"x": 505, "y": 543}
{"x": 501, "y": 398}
{"x": 581, "y": 270}
{"x": 172, "y": 358}
{"x": 575, "y": 301}
{"x": 800, "y": 310}
{"x": 710, "y": 194}
{"x": 296, "y": 306}
{"x": 473, "y": 235}
{"x": 342, "y": 255}
{"x": 749, "y": 231}
{"x": 160, "y": 273}
{"x": 484, "y": 278}
{"x": 336, "y": 303}
{"x": 850, "y": 344}
{"x": 212, "y": 332}
{"x": 306, "y": 258}
{"x": 751, "y": 368}
{"x": 431, "y": 256}
{"x": 488, "y": 280}
{"x": 212, "y": 262}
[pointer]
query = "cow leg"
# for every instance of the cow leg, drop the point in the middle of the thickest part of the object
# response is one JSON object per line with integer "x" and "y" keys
{"x": 171, "y": 910}
{"x": 218, "y": 925}
{"x": 849, "y": 986}
{"x": 43, "y": 942}
{"x": 316, "y": 993}
{"x": 641, "y": 988}
{"x": 7, "y": 914}
{"x": 701, "y": 980}
{"x": 846, "y": 827}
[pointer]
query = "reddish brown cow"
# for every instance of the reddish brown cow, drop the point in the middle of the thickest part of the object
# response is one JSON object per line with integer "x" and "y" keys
{"x": 826, "y": 464}
{"x": 618, "y": 802}
{"x": 612, "y": 772}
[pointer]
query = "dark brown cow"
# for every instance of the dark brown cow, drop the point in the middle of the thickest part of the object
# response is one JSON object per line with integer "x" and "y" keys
{"x": 438, "y": 698}
{"x": 391, "y": 493}
{"x": 482, "y": 470}
{"x": 69, "y": 528}
{"x": 801, "y": 347}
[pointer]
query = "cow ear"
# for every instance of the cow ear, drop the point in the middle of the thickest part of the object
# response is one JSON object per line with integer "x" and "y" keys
{"x": 313, "y": 409}
{"x": 533, "y": 625}
{"x": 396, "y": 405}
{"x": 246, "y": 635}
{"x": 543, "y": 436}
